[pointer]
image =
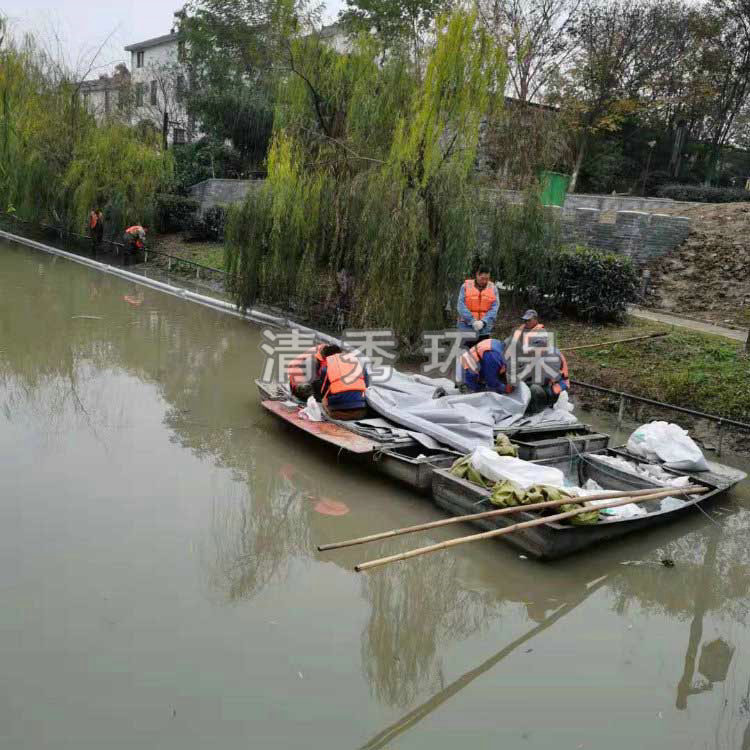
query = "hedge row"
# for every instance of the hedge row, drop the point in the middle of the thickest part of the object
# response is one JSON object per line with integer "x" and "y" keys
{"x": 590, "y": 285}
{"x": 702, "y": 194}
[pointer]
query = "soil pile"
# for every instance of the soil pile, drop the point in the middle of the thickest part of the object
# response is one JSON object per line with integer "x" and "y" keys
{"x": 708, "y": 276}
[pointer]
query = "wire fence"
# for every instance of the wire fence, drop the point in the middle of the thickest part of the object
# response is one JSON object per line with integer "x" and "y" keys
{"x": 81, "y": 242}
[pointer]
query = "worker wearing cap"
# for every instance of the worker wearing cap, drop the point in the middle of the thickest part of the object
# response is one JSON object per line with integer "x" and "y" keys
{"x": 478, "y": 304}
{"x": 529, "y": 324}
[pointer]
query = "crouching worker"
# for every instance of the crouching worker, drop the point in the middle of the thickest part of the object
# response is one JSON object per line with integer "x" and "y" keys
{"x": 344, "y": 384}
{"x": 485, "y": 369}
{"x": 135, "y": 241}
{"x": 305, "y": 372}
{"x": 555, "y": 379}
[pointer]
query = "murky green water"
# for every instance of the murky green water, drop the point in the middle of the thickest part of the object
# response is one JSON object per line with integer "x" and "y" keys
{"x": 160, "y": 587}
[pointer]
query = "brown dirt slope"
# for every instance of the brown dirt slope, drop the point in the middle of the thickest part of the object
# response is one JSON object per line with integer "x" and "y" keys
{"x": 708, "y": 276}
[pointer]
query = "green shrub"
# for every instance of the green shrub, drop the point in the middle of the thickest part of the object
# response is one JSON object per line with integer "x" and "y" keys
{"x": 210, "y": 224}
{"x": 703, "y": 194}
{"x": 593, "y": 286}
{"x": 174, "y": 213}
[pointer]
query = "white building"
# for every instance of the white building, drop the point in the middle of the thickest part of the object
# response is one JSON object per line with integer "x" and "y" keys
{"x": 108, "y": 96}
{"x": 159, "y": 79}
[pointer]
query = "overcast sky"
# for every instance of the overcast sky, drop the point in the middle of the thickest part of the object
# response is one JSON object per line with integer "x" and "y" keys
{"x": 83, "y": 25}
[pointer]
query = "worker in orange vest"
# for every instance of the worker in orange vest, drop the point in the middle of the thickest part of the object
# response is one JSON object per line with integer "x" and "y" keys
{"x": 304, "y": 372}
{"x": 96, "y": 227}
{"x": 548, "y": 382}
{"x": 484, "y": 368}
{"x": 478, "y": 304}
{"x": 135, "y": 241}
{"x": 345, "y": 381}
{"x": 529, "y": 325}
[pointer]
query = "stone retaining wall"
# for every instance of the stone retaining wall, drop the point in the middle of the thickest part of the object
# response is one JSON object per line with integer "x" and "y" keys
{"x": 641, "y": 236}
{"x": 599, "y": 221}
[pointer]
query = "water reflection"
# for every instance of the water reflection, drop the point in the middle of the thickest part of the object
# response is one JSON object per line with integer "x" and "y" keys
{"x": 265, "y": 520}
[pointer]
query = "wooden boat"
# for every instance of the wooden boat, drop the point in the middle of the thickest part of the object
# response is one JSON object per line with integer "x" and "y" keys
{"x": 404, "y": 460}
{"x": 554, "y": 540}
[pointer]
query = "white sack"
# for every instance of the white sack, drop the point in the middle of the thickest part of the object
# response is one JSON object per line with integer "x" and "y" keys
{"x": 312, "y": 411}
{"x": 668, "y": 443}
{"x": 523, "y": 473}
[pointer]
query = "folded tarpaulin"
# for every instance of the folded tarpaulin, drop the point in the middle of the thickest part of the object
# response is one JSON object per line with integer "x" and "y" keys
{"x": 462, "y": 422}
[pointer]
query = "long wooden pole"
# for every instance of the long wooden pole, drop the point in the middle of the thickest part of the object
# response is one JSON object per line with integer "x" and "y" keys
{"x": 494, "y": 513}
{"x": 612, "y": 343}
{"x": 510, "y": 529}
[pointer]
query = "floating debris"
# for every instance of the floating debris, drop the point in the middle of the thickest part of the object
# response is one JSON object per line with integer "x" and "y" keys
{"x": 331, "y": 507}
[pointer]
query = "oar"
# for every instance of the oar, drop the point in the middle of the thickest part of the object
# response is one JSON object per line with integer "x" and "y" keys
{"x": 518, "y": 527}
{"x": 493, "y": 513}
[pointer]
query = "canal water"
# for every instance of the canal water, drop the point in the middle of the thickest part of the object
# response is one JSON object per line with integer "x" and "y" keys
{"x": 161, "y": 586}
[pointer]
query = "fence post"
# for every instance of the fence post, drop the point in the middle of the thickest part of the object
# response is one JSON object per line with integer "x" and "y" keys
{"x": 621, "y": 411}
{"x": 169, "y": 264}
{"x": 145, "y": 256}
{"x": 721, "y": 437}
{"x": 197, "y": 273}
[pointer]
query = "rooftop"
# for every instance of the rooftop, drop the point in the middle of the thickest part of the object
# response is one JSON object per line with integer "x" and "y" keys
{"x": 155, "y": 42}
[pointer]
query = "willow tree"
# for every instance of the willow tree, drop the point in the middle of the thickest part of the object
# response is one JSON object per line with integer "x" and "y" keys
{"x": 120, "y": 171}
{"x": 371, "y": 172}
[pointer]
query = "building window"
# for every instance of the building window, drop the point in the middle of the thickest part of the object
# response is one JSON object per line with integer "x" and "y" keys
{"x": 139, "y": 58}
{"x": 152, "y": 97}
{"x": 180, "y": 88}
{"x": 181, "y": 51}
{"x": 106, "y": 102}
{"x": 139, "y": 94}
{"x": 179, "y": 136}
{"x": 86, "y": 99}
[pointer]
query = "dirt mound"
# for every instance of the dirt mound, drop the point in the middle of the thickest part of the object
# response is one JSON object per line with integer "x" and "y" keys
{"x": 708, "y": 276}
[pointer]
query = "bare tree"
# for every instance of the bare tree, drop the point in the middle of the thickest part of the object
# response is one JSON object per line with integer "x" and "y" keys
{"x": 535, "y": 33}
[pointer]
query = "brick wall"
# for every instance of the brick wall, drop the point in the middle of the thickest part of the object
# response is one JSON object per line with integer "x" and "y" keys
{"x": 641, "y": 236}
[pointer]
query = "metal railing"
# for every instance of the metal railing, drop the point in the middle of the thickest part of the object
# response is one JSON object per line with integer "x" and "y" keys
{"x": 720, "y": 421}
{"x": 173, "y": 262}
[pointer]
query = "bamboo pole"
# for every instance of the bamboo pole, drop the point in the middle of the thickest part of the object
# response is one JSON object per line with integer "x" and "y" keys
{"x": 612, "y": 343}
{"x": 494, "y": 513}
{"x": 510, "y": 529}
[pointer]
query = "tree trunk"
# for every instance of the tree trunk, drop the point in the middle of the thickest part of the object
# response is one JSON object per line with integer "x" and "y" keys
{"x": 165, "y": 130}
{"x": 579, "y": 163}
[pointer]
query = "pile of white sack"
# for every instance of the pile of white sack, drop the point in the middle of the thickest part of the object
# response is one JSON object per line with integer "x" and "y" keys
{"x": 669, "y": 444}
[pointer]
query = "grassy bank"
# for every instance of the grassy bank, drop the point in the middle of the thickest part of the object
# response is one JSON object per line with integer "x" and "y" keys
{"x": 694, "y": 370}
{"x": 206, "y": 253}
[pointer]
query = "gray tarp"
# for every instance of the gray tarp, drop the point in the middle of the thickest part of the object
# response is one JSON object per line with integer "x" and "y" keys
{"x": 462, "y": 422}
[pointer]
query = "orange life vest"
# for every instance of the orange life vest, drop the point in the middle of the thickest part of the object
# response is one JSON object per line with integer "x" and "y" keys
{"x": 93, "y": 219}
{"x": 470, "y": 359}
{"x": 343, "y": 374}
{"x": 564, "y": 377}
{"x": 479, "y": 301}
{"x": 523, "y": 332}
{"x": 134, "y": 229}
{"x": 298, "y": 369}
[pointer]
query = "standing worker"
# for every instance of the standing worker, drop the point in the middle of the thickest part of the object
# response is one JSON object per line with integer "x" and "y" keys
{"x": 484, "y": 368}
{"x": 344, "y": 384}
{"x": 478, "y": 304}
{"x": 135, "y": 241}
{"x": 96, "y": 227}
